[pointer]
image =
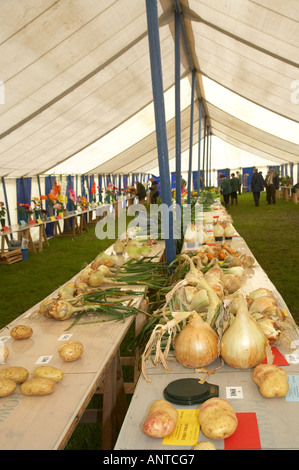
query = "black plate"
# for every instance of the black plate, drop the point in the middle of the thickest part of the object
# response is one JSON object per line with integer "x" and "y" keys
{"x": 189, "y": 391}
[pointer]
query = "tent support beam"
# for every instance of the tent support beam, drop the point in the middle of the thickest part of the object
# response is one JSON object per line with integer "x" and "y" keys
{"x": 6, "y": 201}
{"x": 199, "y": 147}
{"x": 161, "y": 134}
{"x": 204, "y": 153}
{"x": 191, "y": 138}
{"x": 178, "y": 170}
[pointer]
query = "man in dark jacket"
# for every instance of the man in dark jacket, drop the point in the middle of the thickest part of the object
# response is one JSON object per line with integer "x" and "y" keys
{"x": 257, "y": 185}
{"x": 272, "y": 183}
{"x": 225, "y": 188}
{"x": 234, "y": 182}
{"x": 140, "y": 192}
{"x": 154, "y": 190}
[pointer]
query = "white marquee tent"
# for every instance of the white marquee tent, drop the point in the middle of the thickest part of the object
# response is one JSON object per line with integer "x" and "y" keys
{"x": 76, "y": 92}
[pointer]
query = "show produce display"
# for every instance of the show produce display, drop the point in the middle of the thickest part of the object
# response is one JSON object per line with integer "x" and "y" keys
{"x": 220, "y": 320}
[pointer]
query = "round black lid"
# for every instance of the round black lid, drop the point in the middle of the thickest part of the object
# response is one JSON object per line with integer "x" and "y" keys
{"x": 189, "y": 391}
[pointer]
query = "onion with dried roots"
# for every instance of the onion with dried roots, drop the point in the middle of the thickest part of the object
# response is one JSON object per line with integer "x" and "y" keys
{"x": 243, "y": 345}
{"x": 197, "y": 343}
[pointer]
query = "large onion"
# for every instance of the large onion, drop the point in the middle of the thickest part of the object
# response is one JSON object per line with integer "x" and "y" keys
{"x": 197, "y": 343}
{"x": 243, "y": 344}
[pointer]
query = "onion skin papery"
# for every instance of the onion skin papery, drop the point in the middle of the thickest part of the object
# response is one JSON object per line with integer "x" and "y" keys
{"x": 197, "y": 344}
{"x": 243, "y": 345}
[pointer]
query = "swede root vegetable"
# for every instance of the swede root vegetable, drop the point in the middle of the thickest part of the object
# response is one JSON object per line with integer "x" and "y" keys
{"x": 161, "y": 419}
{"x": 217, "y": 418}
{"x": 271, "y": 380}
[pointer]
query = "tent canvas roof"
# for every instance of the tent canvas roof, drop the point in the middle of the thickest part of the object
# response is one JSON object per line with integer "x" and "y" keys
{"x": 77, "y": 91}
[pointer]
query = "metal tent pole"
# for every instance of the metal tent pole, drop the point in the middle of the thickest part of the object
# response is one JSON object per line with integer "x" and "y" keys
{"x": 6, "y": 201}
{"x": 210, "y": 165}
{"x": 207, "y": 156}
{"x": 199, "y": 147}
{"x": 191, "y": 138}
{"x": 161, "y": 134}
{"x": 177, "y": 25}
{"x": 204, "y": 152}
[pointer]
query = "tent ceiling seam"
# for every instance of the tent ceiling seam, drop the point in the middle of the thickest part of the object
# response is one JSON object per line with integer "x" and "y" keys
{"x": 254, "y": 138}
{"x": 87, "y": 77}
{"x": 256, "y": 151}
{"x": 190, "y": 14}
{"x": 248, "y": 99}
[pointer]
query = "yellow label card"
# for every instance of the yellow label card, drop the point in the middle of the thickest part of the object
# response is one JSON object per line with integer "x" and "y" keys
{"x": 39, "y": 221}
{"x": 53, "y": 218}
{"x": 187, "y": 429}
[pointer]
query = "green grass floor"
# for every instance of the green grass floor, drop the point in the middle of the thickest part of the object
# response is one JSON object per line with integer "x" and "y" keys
{"x": 271, "y": 232}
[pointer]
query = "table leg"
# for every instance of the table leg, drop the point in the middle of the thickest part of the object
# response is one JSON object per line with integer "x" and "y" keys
{"x": 114, "y": 403}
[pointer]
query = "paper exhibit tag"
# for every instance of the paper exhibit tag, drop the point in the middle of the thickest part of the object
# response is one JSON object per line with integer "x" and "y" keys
{"x": 293, "y": 393}
{"x": 44, "y": 360}
{"x": 234, "y": 392}
{"x": 186, "y": 431}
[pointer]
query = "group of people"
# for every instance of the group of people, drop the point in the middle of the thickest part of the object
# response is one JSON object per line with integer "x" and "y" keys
{"x": 258, "y": 184}
{"x": 141, "y": 191}
{"x": 230, "y": 187}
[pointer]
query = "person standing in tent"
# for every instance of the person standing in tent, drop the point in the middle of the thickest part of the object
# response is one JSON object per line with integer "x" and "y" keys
{"x": 234, "y": 182}
{"x": 140, "y": 192}
{"x": 183, "y": 184}
{"x": 154, "y": 190}
{"x": 257, "y": 185}
{"x": 272, "y": 183}
{"x": 240, "y": 180}
{"x": 225, "y": 188}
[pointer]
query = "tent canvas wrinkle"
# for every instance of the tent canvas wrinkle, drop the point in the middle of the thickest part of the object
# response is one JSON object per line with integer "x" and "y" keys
{"x": 78, "y": 95}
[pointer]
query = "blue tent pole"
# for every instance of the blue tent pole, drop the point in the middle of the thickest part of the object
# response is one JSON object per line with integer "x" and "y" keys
{"x": 177, "y": 25}
{"x": 207, "y": 156}
{"x": 210, "y": 156}
{"x": 191, "y": 138}
{"x": 6, "y": 200}
{"x": 199, "y": 147}
{"x": 161, "y": 135}
{"x": 204, "y": 152}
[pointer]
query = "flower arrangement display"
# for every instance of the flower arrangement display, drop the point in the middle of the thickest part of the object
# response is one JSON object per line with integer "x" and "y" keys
{"x": 62, "y": 199}
{"x": 25, "y": 211}
{"x": 52, "y": 199}
{"x": 84, "y": 203}
{"x": 93, "y": 191}
{"x": 2, "y": 210}
{"x": 73, "y": 198}
{"x": 58, "y": 207}
{"x": 40, "y": 211}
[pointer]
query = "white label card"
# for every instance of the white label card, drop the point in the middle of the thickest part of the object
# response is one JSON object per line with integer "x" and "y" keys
{"x": 64, "y": 337}
{"x": 234, "y": 392}
{"x": 44, "y": 360}
{"x": 292, "y": 358}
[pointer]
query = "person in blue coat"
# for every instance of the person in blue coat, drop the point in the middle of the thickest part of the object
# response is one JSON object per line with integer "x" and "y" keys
{"x": 257, "y": 185}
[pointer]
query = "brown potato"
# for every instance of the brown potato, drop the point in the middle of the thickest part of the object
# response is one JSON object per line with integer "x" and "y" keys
{"x": 271, "y": 380}
{"x": 15, "y": 373}
{"x": 21, "y": 332}
{"x": 217, "y": 418}
{"x": 7, "y": 386}
{"x": 48, "y": 372}
{"x": 38, "y": 387}
{"x": 71, "y": 351}
{"x": 161, "y": 419}
{"x": 204, "y": 445}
